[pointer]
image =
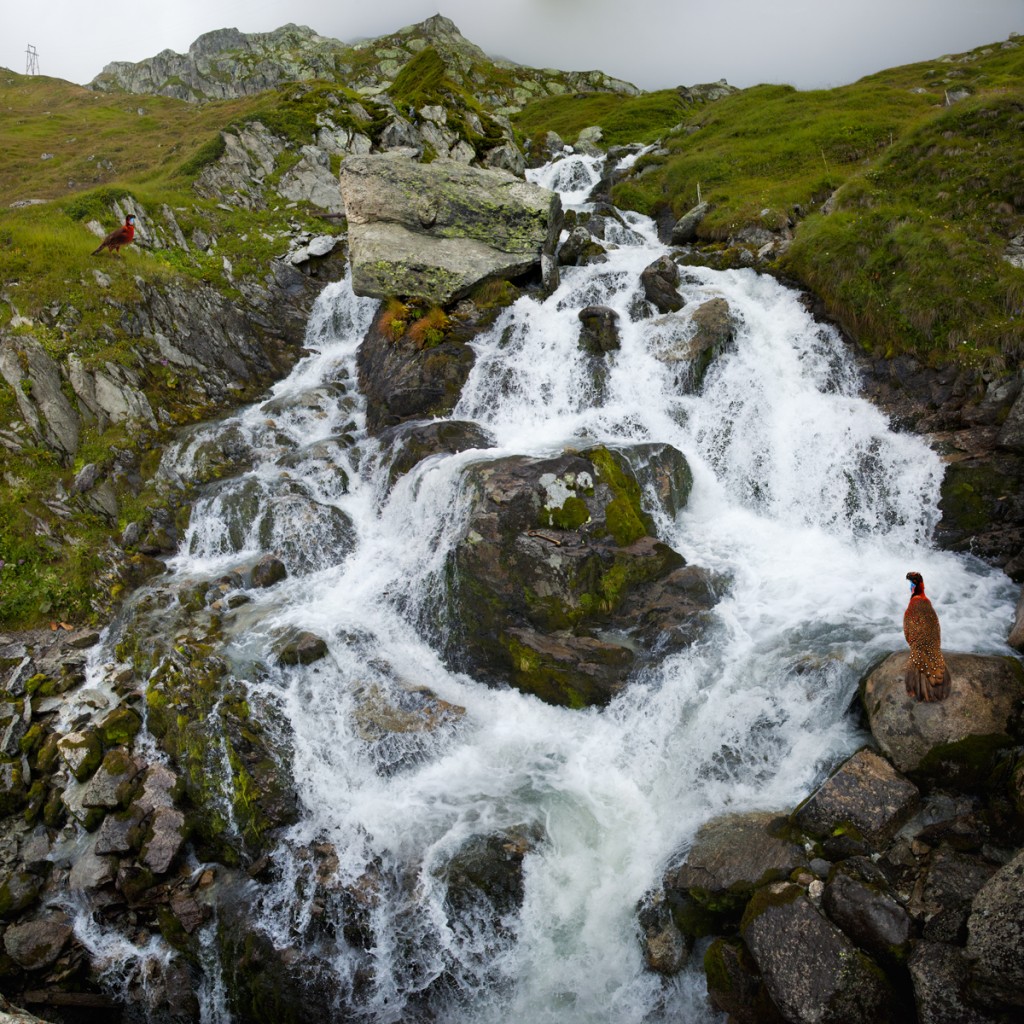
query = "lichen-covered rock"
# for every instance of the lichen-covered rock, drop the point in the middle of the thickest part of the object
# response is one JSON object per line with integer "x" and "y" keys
{"x": 731, "y": 856}
{"x": 302, "y": 648}
{"x": 812, "y": 971}
{"x": 951, "y": 742}
{"x": 81, "y": 752}
{"x": 433, "y": 231}
{"x": 735, "y": 985}
{"x": 552, "y": 552}
{"x": 866, "y": 793}
{"x": 995, "y": 942}
{"x": 939, "y": 973}
{"x": 944, "y": 891}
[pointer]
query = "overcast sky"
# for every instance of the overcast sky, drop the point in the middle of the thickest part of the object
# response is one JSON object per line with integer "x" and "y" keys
{"x": 652, "y": 43}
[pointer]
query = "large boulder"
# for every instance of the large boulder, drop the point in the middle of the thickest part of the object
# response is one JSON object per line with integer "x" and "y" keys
{"x": 813, "y": 972}
{"x": 951, "y": 742}
{"x": 549, "y": 585}
{"x": 731, "y": 856}
{"x": 865, "y": 793}
{"x": 995, "y": 944}
{"x": 433, "y": 231}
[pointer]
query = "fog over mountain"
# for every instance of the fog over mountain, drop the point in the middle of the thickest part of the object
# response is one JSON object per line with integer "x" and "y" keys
{"x": 653, "y": 43}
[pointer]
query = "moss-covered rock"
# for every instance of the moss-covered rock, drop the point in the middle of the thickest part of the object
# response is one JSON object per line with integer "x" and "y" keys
{"x": 555, "y": 550}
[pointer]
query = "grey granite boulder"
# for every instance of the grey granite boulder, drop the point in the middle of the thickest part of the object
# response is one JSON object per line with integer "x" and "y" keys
{"x": 433, "y": 231}
{"x": 951, "y": 742}
{"x": 865, "y": 793}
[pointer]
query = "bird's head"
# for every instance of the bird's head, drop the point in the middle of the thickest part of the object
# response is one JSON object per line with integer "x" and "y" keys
{"x": 130, "y": 219}
{"x": 916, "y": 582}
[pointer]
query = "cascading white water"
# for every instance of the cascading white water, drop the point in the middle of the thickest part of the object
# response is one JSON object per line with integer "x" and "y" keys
{"x": 804, "y": 500}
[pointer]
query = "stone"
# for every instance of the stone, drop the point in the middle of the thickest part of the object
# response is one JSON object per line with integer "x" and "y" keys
{"x": 550, "y": 553}
{"x": 303, "y": 649}
{"x": 813, "y": 973}
{"x": 731, "y": 856}
{"x": 268, "y": 571}
{"x": 952, "y": 742}
{"x": 159, "y": 786}
{"x": 579, "y": 249}
{"x": 660, "y": 282}
{"x": 486, "y": 873}
{"x": 735, "y": 985}
{"x": 164, "y": 841}
{"x": 119, "y": 833}
{"x": 995, "y": 939}
{"x": 407, "y": 444}
{"x": 81, "y": 752}
{"x": 599, "y": 330}
{"x": 433, "y": 231}
{"x": 311, "y": 181}
{"x": 91, "y": 871}
{"x": 939, "y": 973}
{"x": 34, "y": 945}
{"x": 685, "y": 229}
{"x": 870, "y": 917}
{"x": 665, "y": 949}
{"x": 943, "y": 893}
{"x": 36, "y": 382}
{"x": 866, "y": 793}
{"x": 1016, "y": 637}
{"x": 110, "y": 786}
{"x": 18, "y": 890}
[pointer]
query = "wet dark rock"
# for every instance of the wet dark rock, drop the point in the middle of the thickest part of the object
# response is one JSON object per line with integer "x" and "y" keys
{"x": 735, "y": 985}
{"x": 552, "y": 552}
{"x": 91, "y": 871}
{"x": 942, "y": 897}
{"x": 488, "y": 870}
{"x": 110, "y": 785}
{"x": 952, "y": 742}
{"x": 402, "y": 381}
{"x": 813, "y": 973}
{"x": 302, "y": 649}
{"x": 580, "y": 249}
{"x": 661, "y": 285}
{"x": 995, "y": 942}
{"x": 731, "y": 856}
{"x": 409, "y": 443}
{"x": 865, "y": 794}
{"x": 268, "y": 571}
{"x": 18, "y": 890}
{"x": 665, "y": 949}
{"x": 871, "y": 918}
{"x": 599, "y": 330}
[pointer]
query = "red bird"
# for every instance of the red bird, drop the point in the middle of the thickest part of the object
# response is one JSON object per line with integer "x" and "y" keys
{"x": 118, "y": 237}
{"x": 927, "y": 677}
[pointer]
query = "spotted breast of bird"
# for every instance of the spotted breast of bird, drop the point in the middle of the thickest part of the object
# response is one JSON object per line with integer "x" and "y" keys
{"x": 118, "y": 237}
{"x": 927, "y": 677}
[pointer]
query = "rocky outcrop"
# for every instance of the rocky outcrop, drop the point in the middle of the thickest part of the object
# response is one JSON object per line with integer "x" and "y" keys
{"x": 558, "y": 555}
{"x": 952, "y": 742}
{"x": 433, "y": 231}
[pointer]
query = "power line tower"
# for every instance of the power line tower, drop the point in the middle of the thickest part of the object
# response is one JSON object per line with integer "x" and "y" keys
{"x": 31, "y": 60}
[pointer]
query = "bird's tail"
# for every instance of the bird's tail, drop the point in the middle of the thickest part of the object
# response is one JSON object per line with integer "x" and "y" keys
{"x": 97, "y": 250}
{"x": 923, "y": 686}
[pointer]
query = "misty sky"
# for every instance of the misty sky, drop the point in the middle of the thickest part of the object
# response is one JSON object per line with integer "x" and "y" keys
{"x": 652, "y": 43}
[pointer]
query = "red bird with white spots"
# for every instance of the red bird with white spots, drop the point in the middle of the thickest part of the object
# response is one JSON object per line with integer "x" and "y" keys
{"x": 927, "y": 677}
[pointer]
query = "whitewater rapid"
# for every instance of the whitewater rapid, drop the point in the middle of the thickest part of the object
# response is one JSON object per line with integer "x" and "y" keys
{"x": 805, "y": 502}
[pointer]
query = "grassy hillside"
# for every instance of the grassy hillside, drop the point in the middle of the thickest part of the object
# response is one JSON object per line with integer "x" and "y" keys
{"x": 924, "y": 164}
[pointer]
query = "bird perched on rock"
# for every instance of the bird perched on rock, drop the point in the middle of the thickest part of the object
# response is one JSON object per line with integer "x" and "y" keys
{"x": 927, "y": 677}
{"x": 118, "y": 237}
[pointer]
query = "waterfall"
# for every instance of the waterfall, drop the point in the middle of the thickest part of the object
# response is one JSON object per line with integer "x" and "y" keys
{"x": 805, "y": 502}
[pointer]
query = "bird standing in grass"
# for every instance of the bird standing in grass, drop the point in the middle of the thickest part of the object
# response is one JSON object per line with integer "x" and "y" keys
{"x": 118, "y": 237}
{"x": 927, "y": 677}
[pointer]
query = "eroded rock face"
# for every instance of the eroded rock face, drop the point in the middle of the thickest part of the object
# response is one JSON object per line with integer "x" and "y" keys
{"x": 557, "y": 555}
{"x": 951, "y": 742}
{"x": 433, "y": 231}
